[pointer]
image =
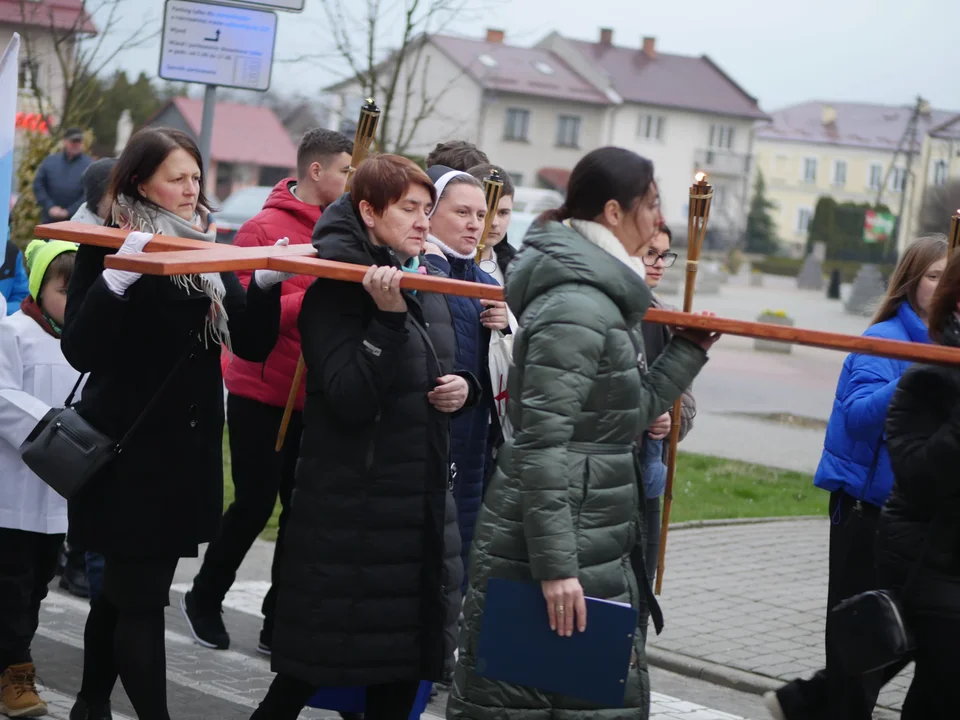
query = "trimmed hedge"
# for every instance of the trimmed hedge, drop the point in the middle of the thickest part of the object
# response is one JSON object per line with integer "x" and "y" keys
{"x": 790, "y": 267}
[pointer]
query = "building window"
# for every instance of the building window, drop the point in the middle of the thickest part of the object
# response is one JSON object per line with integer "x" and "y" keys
{"x": 940, "y": 172}
{"x": 898, "y": 179}
{"x": 518, "y": 124}
{"x": 840, "y": 173}
{"x": 651, "y": 127}
{"x": 810, "y": 170}
{"x": 804, "y": 216}
{"x": 568, "y": 131}
{"x": 876, "y": 176}
{"x": 721, "y": 136}
{"x": 28, "y": 77}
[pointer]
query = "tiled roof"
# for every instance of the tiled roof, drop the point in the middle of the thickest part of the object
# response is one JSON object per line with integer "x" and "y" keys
{"x": 950, "y": 130}
{"x": 61, "y": 14}
{"x": 527, "y": 71}
{"x": 242, "y": 133}
{"x": 864, "y": 125}
{"x": 678, "y": 81}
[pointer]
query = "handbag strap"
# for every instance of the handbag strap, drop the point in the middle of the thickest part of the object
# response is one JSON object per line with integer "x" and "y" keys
{"x": 76, "y": 386}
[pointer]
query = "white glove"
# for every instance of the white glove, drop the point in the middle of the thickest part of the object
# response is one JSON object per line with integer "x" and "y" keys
{"x": 119, "y": 281}
{"x": 266, "y": 279}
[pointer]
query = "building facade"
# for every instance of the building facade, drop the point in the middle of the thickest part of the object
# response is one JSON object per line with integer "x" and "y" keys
{"x": 847, "y": 151}
{"x": 537, "y": 110}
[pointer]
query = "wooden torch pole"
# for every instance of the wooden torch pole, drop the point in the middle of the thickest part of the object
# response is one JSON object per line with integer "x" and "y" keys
{"x": 366, "y": 130}
{"x": 701, "y": 193}
{"x": 954, "y": 233}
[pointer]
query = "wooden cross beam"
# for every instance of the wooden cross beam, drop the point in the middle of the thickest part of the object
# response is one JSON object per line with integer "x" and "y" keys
{"x": 167, "y": 255}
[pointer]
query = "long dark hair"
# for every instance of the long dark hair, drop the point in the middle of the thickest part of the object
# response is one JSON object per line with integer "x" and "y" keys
{"x": 945, "y": 298}
{"x": 604, "y": 174}
{"x": 906, "y": 277}
{"x": 144, "y": 153}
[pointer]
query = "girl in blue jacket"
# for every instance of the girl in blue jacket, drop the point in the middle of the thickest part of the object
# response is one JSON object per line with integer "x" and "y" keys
{"x": 855, "y": 469}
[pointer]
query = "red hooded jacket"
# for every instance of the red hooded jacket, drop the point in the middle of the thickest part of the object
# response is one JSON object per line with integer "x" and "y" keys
{"x": 283, "y": 215}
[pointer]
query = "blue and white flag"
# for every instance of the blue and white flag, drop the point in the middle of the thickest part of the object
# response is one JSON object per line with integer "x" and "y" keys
{"x": 8, "y": 123}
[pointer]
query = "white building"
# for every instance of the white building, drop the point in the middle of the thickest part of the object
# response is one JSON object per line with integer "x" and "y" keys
{"x": 536, "y": 111}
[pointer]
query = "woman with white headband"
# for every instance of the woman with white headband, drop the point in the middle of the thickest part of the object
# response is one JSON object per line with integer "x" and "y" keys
{"x": 456, "y": 225}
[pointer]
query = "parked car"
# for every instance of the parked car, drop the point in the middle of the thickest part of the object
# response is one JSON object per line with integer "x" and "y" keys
{"x": 536, "y": 200}
{"x": 237, "y": 209}
{"x": 520, "y": 222}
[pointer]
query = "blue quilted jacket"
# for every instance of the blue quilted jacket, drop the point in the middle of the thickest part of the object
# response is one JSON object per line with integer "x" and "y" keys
{"x": 470, "y": 429}
{"x": 855, "y": 457}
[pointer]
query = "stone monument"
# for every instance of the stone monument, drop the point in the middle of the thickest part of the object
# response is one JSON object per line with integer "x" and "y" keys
{"x": 811, "y": 275}
{"x": 868, "y": 288}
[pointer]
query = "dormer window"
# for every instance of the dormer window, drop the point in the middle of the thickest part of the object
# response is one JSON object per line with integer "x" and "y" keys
{"x": 543, "y": 68}
{"x": 487, "y": 61}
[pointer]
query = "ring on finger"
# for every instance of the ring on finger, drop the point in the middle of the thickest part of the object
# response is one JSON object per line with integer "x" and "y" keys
{"x": 560, "y": 609}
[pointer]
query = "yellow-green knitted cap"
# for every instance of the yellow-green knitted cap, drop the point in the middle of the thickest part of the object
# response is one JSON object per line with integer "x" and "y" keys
{"x": 37, "y": 258}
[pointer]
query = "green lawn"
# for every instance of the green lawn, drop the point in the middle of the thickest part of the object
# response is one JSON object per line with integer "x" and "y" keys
{"x": 711, "y": 488}
{"x": 706, "y": 488}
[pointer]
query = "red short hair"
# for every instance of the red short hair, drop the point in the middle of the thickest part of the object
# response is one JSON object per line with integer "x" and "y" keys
{"x": 382, "y": 180}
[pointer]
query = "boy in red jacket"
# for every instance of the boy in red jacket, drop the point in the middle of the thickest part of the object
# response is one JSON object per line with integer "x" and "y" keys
{"x": 258, "y": 394}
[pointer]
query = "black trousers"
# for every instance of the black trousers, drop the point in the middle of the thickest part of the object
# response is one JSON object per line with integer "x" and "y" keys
{"x": 259, "y": 475}
{"x": 124, "y": 635}
{"x": 288, "y": 696}
{"x": 934, "y": 693}
{"x": 28, "y": 562}
{"x": 652, "y": 520}
{"x": 831, "y": 694}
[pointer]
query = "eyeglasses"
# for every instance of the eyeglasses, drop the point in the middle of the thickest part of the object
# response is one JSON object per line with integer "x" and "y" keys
{"x": 669, "y": 258}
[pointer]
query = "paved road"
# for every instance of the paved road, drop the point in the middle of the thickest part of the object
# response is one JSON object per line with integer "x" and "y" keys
{"x": 740, "y": 383}
{"x": 227, "y": 685}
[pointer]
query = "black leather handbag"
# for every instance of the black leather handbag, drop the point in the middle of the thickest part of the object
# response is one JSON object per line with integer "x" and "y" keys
{"x": 67, "y": 451}
{"x": 871, "y": 631}
{"x": 871, "y": 628}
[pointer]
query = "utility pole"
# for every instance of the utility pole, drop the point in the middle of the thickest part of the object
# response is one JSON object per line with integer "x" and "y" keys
{"x": 908, "y": 139}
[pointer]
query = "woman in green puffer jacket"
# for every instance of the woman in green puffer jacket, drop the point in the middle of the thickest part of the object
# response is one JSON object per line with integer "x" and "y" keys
{"x": 564, "y": 506}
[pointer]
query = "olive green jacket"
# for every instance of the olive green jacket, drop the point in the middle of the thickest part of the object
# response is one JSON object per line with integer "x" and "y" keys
{"x": 565, "y": 500}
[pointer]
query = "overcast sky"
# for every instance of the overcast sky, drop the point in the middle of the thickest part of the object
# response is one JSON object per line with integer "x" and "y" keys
{"x": 780, "y": 51}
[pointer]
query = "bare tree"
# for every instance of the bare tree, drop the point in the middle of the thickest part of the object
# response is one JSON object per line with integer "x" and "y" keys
{"x": 397, "y": 78}
{"x": 77, "y": 53}
{"x": 939, "y": 204}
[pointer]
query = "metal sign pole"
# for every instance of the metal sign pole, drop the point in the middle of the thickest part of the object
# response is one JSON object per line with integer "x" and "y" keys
{"x": 206, "y": 125}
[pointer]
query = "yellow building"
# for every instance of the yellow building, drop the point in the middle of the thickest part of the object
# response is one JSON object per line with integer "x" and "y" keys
{"x": 844, "y": 150}
{"x": 938, "y": 165}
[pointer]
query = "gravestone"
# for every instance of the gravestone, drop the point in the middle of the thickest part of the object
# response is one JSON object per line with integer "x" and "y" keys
{"x": 868, "y": 288}
{"x": 811, "y": 275}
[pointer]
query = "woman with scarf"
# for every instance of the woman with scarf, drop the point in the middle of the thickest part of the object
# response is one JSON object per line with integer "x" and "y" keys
{"x": 563, "y": 511}
{"x": 153, "y": 341}
{"x": 456, "y": 225}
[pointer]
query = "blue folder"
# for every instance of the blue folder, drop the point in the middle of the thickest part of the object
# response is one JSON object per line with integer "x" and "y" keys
{"x": 516, "y": 645}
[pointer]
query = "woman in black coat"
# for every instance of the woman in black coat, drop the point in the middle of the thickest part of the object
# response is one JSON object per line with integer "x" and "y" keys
{"x": 141, "y": 337}
{"x": 918, "y": 536}
{"x": 370, "y": 584}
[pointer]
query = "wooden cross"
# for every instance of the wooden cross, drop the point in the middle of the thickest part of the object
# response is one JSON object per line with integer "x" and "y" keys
{"x": 166, "y": 255}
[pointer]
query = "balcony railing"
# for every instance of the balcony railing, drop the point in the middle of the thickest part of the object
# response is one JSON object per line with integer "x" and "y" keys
{"x": 722, "y": 162}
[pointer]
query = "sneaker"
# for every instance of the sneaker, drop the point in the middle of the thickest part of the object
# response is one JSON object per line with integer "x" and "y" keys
{"x": 93, "y": 711}
{"x": 206, "y": 626}
{"x": 772, "y": 703}
{"x": 264, "y": 649}
{"x": 18, "y": 692}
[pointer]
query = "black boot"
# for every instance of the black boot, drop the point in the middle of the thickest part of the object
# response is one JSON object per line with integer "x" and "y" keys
{"x": 93, "y": 711}
{"x": 74, "y": 577}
